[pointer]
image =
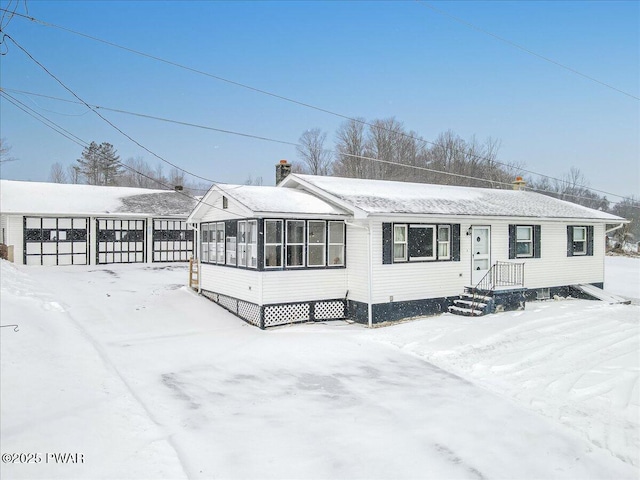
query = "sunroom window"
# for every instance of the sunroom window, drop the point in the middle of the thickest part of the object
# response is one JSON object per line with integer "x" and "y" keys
{"x": 220, "y": 242}
{"x": 252, "y": 243}
{"x": 295, "y": 243}
{"x": 316, "y": 232}
{"x": 242, "y": 243}
{"x": 272, "y": 243}
{"x": 336, "y": 243}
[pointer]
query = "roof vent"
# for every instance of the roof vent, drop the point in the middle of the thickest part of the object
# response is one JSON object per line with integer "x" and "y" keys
{"x": 178, "y": 188}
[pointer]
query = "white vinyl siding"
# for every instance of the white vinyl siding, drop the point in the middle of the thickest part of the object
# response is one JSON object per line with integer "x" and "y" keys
{"x": 240, "y": 283}
{"x": 284, "y": 286}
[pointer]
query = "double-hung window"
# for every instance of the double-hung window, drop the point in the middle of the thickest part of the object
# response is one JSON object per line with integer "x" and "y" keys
{"x": 524, "y": 241}
{"x": 272, "y": 243}
{"x": 399, "y": 243}
{"x": 336, "y": 243}
{"x": 295, "y": 243}
{"x": 444, "y": 242}
{"x": 579, "y": 240}
{"x": 316, "y": 241}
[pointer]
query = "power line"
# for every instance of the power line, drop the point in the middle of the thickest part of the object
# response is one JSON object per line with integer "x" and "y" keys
{"x": 303, "y": 104}
{"x": 78, "y": 141}
{"x": 102, "y": 117}
{"x": 362, "y": 157}
{"x": 520, "y": 47}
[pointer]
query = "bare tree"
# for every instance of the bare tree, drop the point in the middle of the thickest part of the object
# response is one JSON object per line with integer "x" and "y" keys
{"x": 5, "y": 148}
{"x": 73, "y": 174}
{"x": 253, "y": 181}
{"x": 350, "y": 149}
{"x": 137, "y": 173}
{"x": 312, "y": 152}
{"x": 57, "y": 174}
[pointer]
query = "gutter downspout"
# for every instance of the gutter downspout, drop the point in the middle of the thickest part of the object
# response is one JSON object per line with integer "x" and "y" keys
{"x": 369, "y": 270}
{"x": 614, "y": 228}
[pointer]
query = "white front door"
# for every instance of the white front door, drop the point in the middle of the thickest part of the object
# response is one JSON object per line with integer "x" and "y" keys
{"x": 480, "y": 252}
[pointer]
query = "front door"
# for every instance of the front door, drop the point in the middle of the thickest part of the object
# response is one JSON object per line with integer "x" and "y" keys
{"x": 480, "y": 252}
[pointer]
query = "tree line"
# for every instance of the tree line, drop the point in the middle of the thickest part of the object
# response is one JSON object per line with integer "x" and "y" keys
{"x": 385, "y": 149}
{"x": 100, "y": 164}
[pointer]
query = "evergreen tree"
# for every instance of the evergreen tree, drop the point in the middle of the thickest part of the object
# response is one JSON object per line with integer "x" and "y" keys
{"x": 100, "y": 164}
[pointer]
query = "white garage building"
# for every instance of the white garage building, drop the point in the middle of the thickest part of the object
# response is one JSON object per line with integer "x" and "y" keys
{"x": 62, "y": 224}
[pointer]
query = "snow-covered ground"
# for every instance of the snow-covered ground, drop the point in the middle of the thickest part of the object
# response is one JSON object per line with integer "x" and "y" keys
{"x": 126, "y": 366}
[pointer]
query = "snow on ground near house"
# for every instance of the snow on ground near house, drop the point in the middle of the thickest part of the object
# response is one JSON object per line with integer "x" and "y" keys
{"x": 575, "y": 361}
{"x": 124, "y": 364}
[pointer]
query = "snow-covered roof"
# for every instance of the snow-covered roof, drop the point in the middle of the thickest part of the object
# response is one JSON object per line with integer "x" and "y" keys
{"x": 41, "y": 198}
{"x": 388, "y": 197}
{"x": 263, "y": 199}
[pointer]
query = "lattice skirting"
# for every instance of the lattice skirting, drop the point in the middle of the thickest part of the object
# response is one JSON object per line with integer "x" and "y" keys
{"x": 280, "y": 314}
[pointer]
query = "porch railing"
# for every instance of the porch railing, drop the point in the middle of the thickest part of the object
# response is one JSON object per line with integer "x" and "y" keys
{"x": 502, "y": 274}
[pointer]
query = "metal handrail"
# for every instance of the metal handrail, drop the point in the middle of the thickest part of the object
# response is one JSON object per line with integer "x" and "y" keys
{"x": 501, "y": 274}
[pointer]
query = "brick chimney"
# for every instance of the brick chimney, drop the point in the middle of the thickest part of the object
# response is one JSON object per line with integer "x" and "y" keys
{"x": 282, "y": 170}
{"x": 519, "y": 184}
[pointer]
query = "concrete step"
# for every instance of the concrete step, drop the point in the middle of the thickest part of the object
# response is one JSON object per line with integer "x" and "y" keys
{"x": 468, "y": 312}
{"x": 472, "y": 296}
{"x": 471, "y": 303}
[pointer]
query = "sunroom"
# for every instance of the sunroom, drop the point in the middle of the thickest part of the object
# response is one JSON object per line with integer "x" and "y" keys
{"x": 271, "y": 255}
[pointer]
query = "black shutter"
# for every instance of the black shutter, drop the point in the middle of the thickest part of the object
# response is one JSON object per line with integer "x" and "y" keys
{"x": 537, "y": 235}
{"x": 455, "y": 242}
{"x": 387, "y": 243}
{"x": 569, "y": 241}
{"x": 512, "y": 241}
{"x": 590, "y": 240}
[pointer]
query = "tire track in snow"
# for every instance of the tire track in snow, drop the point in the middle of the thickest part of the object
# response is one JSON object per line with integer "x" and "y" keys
{"x": 110, "y": 366}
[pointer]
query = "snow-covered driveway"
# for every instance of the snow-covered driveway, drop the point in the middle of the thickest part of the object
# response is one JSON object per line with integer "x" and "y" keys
{"x": 147, "y": 380}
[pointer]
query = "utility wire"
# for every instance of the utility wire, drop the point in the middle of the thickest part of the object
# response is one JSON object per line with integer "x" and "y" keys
{"x": 296, "y": 102}
{"x": 354, "y": 156}
{"x": 103, "y": 117}
{"x": 78, "y": 141}
{"x": 520, "y": 47}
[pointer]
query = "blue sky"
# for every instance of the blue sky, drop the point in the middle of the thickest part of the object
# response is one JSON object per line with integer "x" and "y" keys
{"x": 366, "y": 59}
